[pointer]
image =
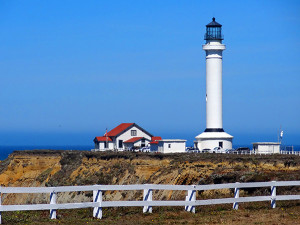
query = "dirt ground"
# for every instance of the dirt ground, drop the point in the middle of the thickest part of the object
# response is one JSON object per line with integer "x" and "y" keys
{"x": 250, "y": 213}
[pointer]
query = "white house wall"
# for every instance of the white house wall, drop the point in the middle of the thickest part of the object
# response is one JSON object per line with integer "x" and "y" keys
{"x": 268, "y": 149}
{"x": 176, "y": 147}
{"x": 101, "y": 146}
{"x": 160, "y": 147}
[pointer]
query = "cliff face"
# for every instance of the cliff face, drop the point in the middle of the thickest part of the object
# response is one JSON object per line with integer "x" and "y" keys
{"x": 59, "y": 168}
{"x": 24, "y": 170}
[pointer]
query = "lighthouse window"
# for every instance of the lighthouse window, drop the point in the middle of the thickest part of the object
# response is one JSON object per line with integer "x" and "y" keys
{"x": 213, "y": 32}
{"x": 169, "y": 146}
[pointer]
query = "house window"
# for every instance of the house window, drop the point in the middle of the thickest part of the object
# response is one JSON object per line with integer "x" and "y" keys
{"x": 221, "y": 144}
{"x": 133, "y": 132}
{"x": 120, "y": 143}
{"x": 169, "y": 146}
{"x": 105, "y": 144}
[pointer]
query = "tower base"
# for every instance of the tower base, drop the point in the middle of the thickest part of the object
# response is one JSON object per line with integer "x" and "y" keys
{"x": 210, "y": 140}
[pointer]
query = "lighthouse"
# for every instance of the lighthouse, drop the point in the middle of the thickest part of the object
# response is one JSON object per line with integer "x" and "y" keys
{"x": 214, "y": 134}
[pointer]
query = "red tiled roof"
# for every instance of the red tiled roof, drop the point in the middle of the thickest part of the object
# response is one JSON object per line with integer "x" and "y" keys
{"x": 132, "y": 140}
{"x": 103, "y": 138}
{"x": 119, "y": 129}
{"x": 154, "y": 140}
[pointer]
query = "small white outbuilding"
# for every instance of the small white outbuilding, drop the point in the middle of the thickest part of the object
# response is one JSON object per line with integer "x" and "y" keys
{"x": 171, "y": 145}
{"x": 266, "y": 147}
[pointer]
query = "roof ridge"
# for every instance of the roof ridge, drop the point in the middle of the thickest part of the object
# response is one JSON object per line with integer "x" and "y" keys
{"x": 119, "y": 129}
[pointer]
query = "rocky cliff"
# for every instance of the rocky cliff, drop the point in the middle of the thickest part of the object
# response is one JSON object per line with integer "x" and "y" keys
{"x": 59, "y": 168}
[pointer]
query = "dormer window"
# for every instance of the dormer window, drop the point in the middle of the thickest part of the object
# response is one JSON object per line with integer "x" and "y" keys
{"x": 133, "y": 132}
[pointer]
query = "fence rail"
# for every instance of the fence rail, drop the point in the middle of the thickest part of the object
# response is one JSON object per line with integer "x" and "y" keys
{"x": 147, "y": 203}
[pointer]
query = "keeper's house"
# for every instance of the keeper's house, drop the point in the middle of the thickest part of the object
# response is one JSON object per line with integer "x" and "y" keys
{"x": 123, "y": 137}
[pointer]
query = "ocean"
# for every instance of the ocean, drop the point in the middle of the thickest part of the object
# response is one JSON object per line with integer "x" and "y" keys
{"x": 5, "y": 150}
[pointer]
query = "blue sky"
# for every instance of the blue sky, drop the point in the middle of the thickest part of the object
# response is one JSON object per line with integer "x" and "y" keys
{"x": 69, "y": 69}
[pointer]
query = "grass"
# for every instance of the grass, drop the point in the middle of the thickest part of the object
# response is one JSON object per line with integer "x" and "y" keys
{"x": 248, "y": 213}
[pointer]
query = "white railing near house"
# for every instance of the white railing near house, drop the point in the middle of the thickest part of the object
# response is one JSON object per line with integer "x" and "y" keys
{"x": 266, "y": 153}
{"x": 283, "y": 152}
{"x": 290, "y": 152}
{"x": 147, "y": 203}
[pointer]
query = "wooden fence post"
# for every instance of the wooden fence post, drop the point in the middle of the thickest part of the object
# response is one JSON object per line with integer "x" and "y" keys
{"x": 53, "y": 201}
{"x": 97, "y": 197}
{"x": 147, "y": 197}
{"x": 273, "y": 196}
{"x": 191, "y": 196}
{"x": 236, "y": 195}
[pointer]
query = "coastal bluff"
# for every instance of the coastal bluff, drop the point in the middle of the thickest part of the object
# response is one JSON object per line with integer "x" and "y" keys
{"x": 38, "y": 168}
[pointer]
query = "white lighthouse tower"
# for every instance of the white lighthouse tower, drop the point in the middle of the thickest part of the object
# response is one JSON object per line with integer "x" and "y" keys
{"x": 214, "y": 135}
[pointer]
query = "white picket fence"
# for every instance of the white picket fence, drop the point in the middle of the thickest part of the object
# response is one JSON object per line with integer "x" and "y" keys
{"x": 147, "y": 203}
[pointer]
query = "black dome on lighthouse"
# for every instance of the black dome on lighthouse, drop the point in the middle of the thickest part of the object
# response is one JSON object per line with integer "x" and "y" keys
{"x": 213, "y": 23}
